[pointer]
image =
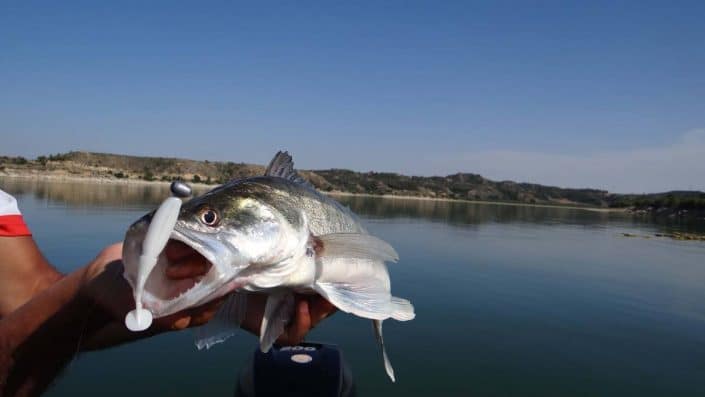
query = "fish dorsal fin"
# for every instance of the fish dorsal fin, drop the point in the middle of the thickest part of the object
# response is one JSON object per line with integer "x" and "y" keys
{"x": 282, "y": 165}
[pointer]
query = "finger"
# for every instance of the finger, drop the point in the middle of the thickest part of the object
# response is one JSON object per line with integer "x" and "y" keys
{"x": 320, "y": 309}
{"x": 255, "y": 310}
{"x": 176, "y": 250}
{"x": 111, "y": 253}
{"x": 302, "y": 323}
{"x": 192, "y": 266}
{"x": 205, "y": 313}
{"x": 176, "y": 321}
{"x": 203, "y": 316}
{"x": 180, "y": 322}
{"x": 190, "y": 317}
{"x": 293, "y": 333}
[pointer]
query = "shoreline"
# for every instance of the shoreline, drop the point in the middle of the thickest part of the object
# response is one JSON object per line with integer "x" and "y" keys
{"x": 53, "y": 177}
{"x": 484, "y": 202}
{"x": 95, "y": 179}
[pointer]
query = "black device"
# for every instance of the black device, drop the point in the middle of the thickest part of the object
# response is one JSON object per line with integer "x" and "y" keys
{"x": 308, "y": 369}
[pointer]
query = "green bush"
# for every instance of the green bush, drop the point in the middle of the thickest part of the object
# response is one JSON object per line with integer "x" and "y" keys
{"x": 148, "y": 175}
{"x": 59, "y": 157}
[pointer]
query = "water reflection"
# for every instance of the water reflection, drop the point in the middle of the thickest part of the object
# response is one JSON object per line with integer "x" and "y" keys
{"x": 88, "y": 194}
{"x": 467, "y": 213}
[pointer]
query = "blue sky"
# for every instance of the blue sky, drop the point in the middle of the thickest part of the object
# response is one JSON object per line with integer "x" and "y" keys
{"x": 572, "y": 94}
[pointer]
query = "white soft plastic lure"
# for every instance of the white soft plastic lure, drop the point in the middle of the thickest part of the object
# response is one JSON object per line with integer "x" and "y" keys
{"x": 273, "y": 234}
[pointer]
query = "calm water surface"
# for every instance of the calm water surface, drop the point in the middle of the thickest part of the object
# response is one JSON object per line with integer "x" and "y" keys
{"x": 510, "y": 300}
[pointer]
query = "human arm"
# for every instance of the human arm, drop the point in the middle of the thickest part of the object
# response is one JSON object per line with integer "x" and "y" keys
{"x": 37, "y": 339}
{"x": 85, "y": 309}
{"x": 23, "y": 272}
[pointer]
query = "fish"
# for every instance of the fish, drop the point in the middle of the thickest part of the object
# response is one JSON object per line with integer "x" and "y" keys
{"x": 273, "y": 234}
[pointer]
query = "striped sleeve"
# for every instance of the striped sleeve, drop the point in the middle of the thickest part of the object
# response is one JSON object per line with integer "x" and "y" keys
{"x": 11, "y": 221}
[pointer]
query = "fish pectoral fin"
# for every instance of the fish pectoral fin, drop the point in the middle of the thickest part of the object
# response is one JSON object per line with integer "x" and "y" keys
{"x": 277, "y": 314}
{"x": 377, "y": 325}
{"x": 403, "y": 310}
{"x": 368, "y": 301}
{"x": 355, "y": 245}
{"x": 282, "y": 166}
{"x": 360, "y": 287}
{"x": 225, "y": 322}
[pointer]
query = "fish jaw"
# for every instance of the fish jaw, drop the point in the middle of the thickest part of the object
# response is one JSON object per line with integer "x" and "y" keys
{"x": 163, "y": 296}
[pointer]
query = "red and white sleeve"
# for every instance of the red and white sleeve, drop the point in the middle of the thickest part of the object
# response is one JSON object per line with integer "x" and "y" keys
{"x": 11, "y": 221}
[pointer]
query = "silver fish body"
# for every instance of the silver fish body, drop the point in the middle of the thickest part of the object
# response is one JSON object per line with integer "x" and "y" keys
{"x": 273, "y": 234}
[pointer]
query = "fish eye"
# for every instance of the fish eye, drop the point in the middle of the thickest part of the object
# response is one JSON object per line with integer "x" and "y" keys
{"x": 209, "y": 217}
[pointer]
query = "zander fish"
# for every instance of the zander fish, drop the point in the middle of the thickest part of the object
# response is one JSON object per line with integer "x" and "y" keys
{"x": 272, "y": 234}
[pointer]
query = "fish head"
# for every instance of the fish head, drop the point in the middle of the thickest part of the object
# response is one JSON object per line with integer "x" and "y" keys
{"x": 230, "y": 231}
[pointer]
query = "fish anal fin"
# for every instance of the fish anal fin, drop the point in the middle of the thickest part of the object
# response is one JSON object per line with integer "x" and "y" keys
{"x": 277, "y": 314}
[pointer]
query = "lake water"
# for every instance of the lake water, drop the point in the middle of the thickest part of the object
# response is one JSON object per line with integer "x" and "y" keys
{"x": 510, "y": 301}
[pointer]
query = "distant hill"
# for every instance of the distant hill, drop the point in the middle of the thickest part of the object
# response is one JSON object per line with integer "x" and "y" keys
{"x": 461, "y": 186}
{"x": 668, "y": 203}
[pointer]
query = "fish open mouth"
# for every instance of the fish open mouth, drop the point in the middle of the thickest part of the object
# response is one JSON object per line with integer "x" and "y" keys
{"x": 185, "y": 267}
{"x": 180, "y": 268}
{"x": 187, "y": 272}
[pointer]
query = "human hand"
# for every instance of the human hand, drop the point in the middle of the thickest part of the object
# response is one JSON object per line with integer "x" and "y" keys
{"x": 106, "y": 285}
{"x": 185, "y": 262}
